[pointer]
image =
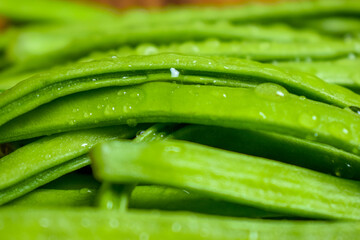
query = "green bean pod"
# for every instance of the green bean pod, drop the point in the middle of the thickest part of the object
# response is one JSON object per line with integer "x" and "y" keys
{"x": 344, "y": 72}
{"x": 48, "y": 86}
{"x": 254, "y": 12}
{"x": 234, "y": 177}
{"x": 54, "y": 198}
{"x": 260, "y": 50}
{"x": 142, "y": 197}
{"x": 300, "y": 152}
{"x": 268, "y": 107}
{"x": 90, "y": 224}
{"x": 54, "y": 150}
{"x": 42, "y": 178}
{"x": 53, "y": 11}
{"x": 40, "y": 47}
{"x": 51, "y": 157}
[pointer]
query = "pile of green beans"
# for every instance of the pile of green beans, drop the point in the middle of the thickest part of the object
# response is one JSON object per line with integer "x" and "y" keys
{"x": 202, "y": 123}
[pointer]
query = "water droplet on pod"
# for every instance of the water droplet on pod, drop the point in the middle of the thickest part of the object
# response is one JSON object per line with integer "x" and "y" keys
{"x": 271, "y": 91}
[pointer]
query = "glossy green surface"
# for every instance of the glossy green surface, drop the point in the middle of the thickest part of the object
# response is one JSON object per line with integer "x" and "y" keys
{"x": 42, "y": 178}
{"x": 54, "y": 150}
{"x": 300, "y": 152}
{"x": 91, "y": 224}
{"x": 272, "y": 108}
{"x": 50, "y": 158}
{"x": 229, "y": 176}
{"x": 54, "y": 84}
{"x": 54, "y": 10}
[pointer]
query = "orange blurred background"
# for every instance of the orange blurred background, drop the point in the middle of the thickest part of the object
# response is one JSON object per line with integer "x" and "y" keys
{"x": 160, "y": 3}
{"x": 126, "y": 4}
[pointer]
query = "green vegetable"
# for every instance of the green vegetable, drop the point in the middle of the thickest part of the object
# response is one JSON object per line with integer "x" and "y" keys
{"x": 42, "y": 178}
{"x": 50, "y": 158}
{"x": 229, "y": 176}
{"x": 272, "y": 109}
{"x": 54, "y": 10}
{"x": 132, "y": 70}
{"x": 255, "y": 50}
{"x": 90, "y": 223}
{"x": 300, "y": 152}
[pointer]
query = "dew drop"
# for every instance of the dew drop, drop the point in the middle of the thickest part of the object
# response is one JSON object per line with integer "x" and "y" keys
{"x": 144, "y": 236}
{"x": 121, "y": 92}
{"x": 172, "y": 149}
{"x": 339, "y": 130}
{"x": 85, "y": 222}
{"x": 131, "y": 122}
{"x": 127, "y": 108}
{"x": 262, "y": 115}
{"x": 85, "y": 190}
{"x": 109, "y": 110}
{"x": 139, "y": 133}
{"x": 271, "y": 91}
{"x": 72, "y": 122}
{"x": 355, "y": 109}
{"x": 176, "y": 227}
{"x": 86, "y": 115}
{"x": 253, "y": 235}
{"x": 308, "y": 120}
{"x": 351, "y": 56}
{"x": 44, "y": 222}
{"x": 84, "y": 144}
{"x": 345, "y": 170}
{"x": 114, "y": 223}
{"x": 174, "y": 73}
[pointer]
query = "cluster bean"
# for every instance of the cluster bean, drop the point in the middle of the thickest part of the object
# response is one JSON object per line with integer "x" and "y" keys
{"x": 237, "y": 122}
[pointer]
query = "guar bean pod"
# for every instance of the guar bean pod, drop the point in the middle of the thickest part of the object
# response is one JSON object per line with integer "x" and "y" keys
{"x": 300, "y": 152}
{"x": 53, "y": 11}
{"x": 338, "y": 26}
{"x": 263, "y": 13}
{"x": 90, "y": 223}
{"x": 344, "y": 72}
{"x": 131, "y": 70}
{"x": 51, "y": 157}
{"x": 41, "y": 47}
{"x": 142, "y": 197}
{"x": 117, "y": 197}
{"x": 272, "y": 109}
{"x": 260, "y": 50}
{"x": 235, "y": 177}
{"x": 42, "y": 178}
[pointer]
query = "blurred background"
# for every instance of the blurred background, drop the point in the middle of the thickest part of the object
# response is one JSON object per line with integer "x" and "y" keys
{"x": 123, "y": 4}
